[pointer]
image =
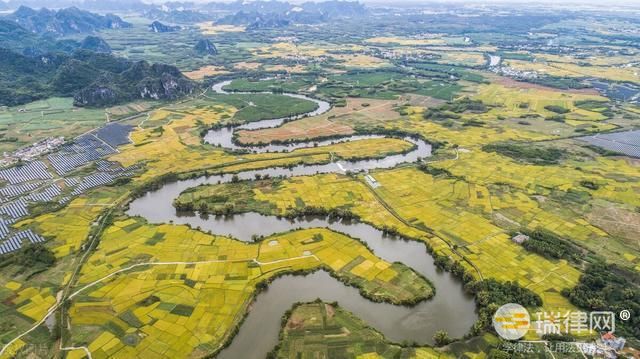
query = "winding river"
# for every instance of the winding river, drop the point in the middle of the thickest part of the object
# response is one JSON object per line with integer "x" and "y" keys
{"x": 451, "y": 309}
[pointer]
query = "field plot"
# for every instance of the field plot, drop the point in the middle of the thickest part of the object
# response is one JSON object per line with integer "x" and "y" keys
{"x": 207, "y": 28}
{"x": 387, "y": 85}
{"x": 538, "y": 101}
{"x": 23, "y": 125}
{"x": 196, "y": 287}
{"x": 462, "y": 58}
{"x": 597, "y": 60}
{"x": 295, "y": 69}
{"x": 27, "y": 297}
{"x": 205, "y": 71}
{"x": 360, "y": 61}
{"x": 466, "y": 136}
{"x": 69, "y": 227}
{"x": 138, "y": 43}
{"x": 295, "y": 84}
{"x": 563, "y": 69}
{"x": 434, "y": 40}
{"x": 338, "y": 121}
{"x": 554, "y": 197}
{"x": 326, "y": 330}
{"x": 299, "y": 130}
{"x": 257, "y": 107}
{"x": 289, "y": 50}
{"x": 170, "y": 141}
{"x": 433, "y": 211}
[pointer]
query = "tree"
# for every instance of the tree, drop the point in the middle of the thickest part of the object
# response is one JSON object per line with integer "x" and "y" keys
{"x": 441, "y": 338}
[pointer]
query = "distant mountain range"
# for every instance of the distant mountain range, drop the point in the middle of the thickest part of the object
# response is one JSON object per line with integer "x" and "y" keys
{"x": 93, "y": 79}
{"x": 178, "y": 16}
{"x": 18, "y": 39}
{"x": 255, "y": 20}
{"x": 35, "y": 64}
{"x": 274, "y": 14}
{"x": 64, "y": 22}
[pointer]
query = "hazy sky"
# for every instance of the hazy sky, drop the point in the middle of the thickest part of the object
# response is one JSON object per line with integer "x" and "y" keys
{"x": 393, "y": 2}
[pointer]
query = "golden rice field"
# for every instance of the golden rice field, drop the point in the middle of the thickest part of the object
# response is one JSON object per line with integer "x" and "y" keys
{"x": 337, "y": 121}
{"x": 207, "y": 28}
{"x": 631, "y": 74}
{"x": 434, "y": 205}
{"x": 508, "y": 100}
{"x": 172, "y": 291}
{"x": 205, "y": 71}
{"x": 27, "y": 300}
{"x": 196, "y": 287}
{"x": 594, "y": 60}
{"x": 462, "y": 213}
{"x": 436, "y": 39}
{"x": 174, "y": 145}
{"x": 466, "y": 58}
{"x": 466, "y": 136}
{"x": 360, "y": 61}
{"x": 618, "y": 179}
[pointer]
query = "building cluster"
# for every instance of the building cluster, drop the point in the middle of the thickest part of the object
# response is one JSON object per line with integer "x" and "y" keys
{"x": 403, "y": 55}
{"x": 514, "y": 73}
{"x": 32, "y": 152}
{"x": 607, "y": 346}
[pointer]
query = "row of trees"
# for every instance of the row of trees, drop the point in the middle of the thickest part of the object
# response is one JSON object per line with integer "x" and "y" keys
{"x": 549, "y": 245}
{"x": 31, "y": 259}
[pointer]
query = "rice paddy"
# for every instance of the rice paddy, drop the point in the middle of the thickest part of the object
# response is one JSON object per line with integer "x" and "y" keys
{"x": 430, "y": 212}
{"x": 169, "y": 141}
{"x": 169, "y": 291}
{"x": 327, "y": 330}
{"x": 195, "y": 288}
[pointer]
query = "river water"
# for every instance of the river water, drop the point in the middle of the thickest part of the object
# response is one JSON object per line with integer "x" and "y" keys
{"x": 451, "y": 309}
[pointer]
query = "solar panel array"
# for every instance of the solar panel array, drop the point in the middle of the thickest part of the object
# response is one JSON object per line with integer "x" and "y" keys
{"x": 83, "y": 150}
{"x": 47, "y": 195}
{"x": 115, "y": 134}
{"x": 103, "y": 165}
{"x": 15, "y": 209}
{"x": 627, "y": 143}
{"x": 110, "y": 172}
{"x": 71, "y": 181}
{"x": 29, "y": 178}
{"x": 14, "y": 190}
{"x": 15, "y": 242}
{"x": 4, "y": 228}
{"x": 93, "y": 180}
{"x": 35, "y": 170}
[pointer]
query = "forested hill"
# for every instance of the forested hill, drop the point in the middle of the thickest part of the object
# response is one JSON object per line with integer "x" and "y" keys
{"x": 65, "y": 21}
{"x": 93, "y": 79}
